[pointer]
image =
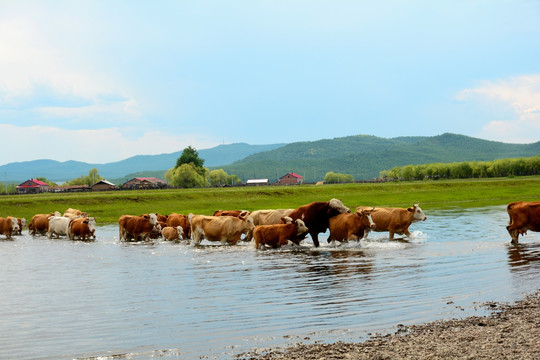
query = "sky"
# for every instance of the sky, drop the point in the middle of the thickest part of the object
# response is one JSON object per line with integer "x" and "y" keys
{"x": 100, "y": 81}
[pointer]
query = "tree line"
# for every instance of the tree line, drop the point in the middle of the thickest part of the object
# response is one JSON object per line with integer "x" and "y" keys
{"x": 466, "y": 169}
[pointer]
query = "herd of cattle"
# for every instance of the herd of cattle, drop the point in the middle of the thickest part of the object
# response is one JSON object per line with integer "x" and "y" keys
{"x": 273, "y": 228}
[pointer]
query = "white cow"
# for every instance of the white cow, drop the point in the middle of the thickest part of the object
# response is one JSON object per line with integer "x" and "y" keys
{"x": 59, "y": 225}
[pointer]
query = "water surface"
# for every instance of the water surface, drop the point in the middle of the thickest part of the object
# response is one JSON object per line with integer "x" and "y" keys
{"x": 63, "y": 300}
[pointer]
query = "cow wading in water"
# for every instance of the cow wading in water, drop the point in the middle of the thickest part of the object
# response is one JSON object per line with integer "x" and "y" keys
{"x": 394, "y": 220}
{"x": 316, "y": 215}
{"x": 523, "y": 216}
{"x": 345, "y": 227}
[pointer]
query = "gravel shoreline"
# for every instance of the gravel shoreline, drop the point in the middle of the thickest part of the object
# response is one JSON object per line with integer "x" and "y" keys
{"x": 509, "y": 332}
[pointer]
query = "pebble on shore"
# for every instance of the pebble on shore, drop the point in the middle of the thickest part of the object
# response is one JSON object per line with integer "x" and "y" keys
{"x": 510, "y": 332}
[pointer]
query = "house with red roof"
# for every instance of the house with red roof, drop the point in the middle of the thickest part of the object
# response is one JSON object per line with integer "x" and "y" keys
{"x": 32, "y": 186}
{"x": 291, "y": 179}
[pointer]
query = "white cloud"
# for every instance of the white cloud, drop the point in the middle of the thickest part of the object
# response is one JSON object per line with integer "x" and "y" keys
{"x": 92, "y": 146}
{"x": 522, "y": 95}
{"x": 33, "y": 62}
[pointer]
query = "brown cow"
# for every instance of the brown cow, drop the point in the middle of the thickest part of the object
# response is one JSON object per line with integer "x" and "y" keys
{"x": 162, "y": 218}
{"x": 8, "y": 226}
{"x": 172, "y": 234}
{"x": 22, "y": 224}
{"x": 175, "y": 220}
{"x": 135, "y": 227}
{"x": 235, "y": 213}
{"x": 523, "y": 216}
{"x": 156, "y": 233}
{"x": 344, "y": 227}
{"x": 82, "y": 228}
{"x": 278, "y": 234}
{"x": 316, "y": 215}
{"x": 220, "y": 228}
{"x": 394, "y": 220}
{"x": 40, "y": 223}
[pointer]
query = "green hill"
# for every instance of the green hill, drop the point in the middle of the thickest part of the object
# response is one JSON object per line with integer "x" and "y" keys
{"x": 365, "y": 156}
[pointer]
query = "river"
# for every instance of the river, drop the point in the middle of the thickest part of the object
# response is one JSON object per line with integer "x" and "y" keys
{"x": 105, "y": 299}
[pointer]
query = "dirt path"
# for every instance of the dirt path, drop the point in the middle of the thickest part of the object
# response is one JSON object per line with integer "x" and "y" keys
{"x": 510, "y": 332}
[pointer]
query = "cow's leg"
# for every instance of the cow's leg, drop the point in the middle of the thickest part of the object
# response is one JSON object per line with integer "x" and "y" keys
{"x": 391, "y": 234}
{"x": 315, "y": 238}
{"x": 353, "y": 237}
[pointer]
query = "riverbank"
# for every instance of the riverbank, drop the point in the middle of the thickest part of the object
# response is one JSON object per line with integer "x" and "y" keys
{"x": 510, "y": 332}
{"x": 108, "y": 206}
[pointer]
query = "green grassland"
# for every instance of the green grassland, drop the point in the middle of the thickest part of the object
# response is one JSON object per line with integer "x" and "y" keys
{"x": 108, "y": 206}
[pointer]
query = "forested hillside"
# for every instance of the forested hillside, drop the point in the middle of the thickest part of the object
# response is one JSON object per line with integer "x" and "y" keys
{"x": 365, "y": 156}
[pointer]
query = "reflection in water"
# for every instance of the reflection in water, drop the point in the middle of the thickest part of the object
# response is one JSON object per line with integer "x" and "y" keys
{"x": 171, "y": 300}
{"x": 522, "y": 256}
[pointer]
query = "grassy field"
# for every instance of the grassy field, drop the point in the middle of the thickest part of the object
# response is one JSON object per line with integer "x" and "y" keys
{"x": 108, "y": 206}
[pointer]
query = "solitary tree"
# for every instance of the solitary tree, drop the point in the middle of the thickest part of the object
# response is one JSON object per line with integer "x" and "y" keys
{"x": 189, "y": 170}
{"x": 190, "y": 156}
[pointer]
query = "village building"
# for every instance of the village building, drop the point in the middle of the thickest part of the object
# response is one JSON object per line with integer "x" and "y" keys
{"x": 32, "y": 186}
{"x": 256, "y": 182}
{"x": 291, "y": 179}
{"x": 103, "y": 185}
{"x": 144, "y": 183}
{"x": 70, "y": 188}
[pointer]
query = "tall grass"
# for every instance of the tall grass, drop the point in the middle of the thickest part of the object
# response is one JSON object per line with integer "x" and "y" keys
{"x": 108, "y": 206}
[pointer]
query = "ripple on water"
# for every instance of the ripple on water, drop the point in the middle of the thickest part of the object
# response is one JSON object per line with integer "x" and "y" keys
{"x": 172, "y": 300}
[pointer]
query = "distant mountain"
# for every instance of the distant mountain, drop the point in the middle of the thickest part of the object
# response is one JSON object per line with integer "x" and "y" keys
{"x": 362, "y": 156}
{"x": 67, "y": 170}
{"x": 365, "y": 156}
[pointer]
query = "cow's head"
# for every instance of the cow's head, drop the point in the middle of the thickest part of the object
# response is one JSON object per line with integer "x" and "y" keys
{"x": 365, "y": 215}
{"x": 153, "y": 218}
{"x": 244, "y": 214}
{"x": 14, "y": 224}
{"x": 286, "y": 220}
{"x": 302, "y": 228}
{"x": 22, "y": 223}
{"x": 180, "y": 231}
{"x": 418, "y": 214}
{"x": 335, "y": 207}
{"x": 91, "y": 224}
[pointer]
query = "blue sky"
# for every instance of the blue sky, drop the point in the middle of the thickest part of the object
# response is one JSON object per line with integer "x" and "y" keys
{"x": 100, "y": 81}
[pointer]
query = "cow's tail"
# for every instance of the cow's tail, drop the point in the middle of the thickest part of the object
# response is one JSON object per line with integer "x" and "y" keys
{"x": 69, "y": 232}
{"x": 190, "y": 216}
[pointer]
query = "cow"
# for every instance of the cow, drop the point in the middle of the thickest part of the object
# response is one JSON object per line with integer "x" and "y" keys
{"x": 394, "y": 220}
{"x": 40, "y": 223}
{"x": 82, "y": 228}
{"x": 135, "y": 227}
{"x": 220, "y": 228}
{"x": 269, "y": 217}
{"x": 348, "y": 226}
{"x": 279, "y": 234}
{"x": 22, "y": 223}
{"x": 175, "y": 220}
{"x": 524, "y": 216}
{"x": 73, "y": 213}
{"x": 156, "y": 233}
{"x": 9, "y": 226}
{"x": 162, "y": 218}
{"x": 235, "y": 213}
{"x": 316, "y": 216}
{"x": 59, "y": 226}
{"x": 172, "y": 234}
